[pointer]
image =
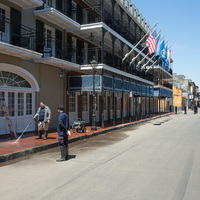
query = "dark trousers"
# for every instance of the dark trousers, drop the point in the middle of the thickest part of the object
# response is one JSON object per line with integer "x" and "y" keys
{"x": 63, "y": 141}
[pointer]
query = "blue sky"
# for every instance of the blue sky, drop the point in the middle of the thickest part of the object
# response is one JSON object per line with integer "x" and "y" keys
{"x": 180, "y": 24}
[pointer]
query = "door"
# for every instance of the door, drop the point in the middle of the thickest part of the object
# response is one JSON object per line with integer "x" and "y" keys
{"x": 105, "y": 106}
{"x": 19, "y": 98}
{"x": 20, "y": 107}
{"x": 72, "y": 107}
{"x": 85, "y": 107}
{"x": 49, "y": 41}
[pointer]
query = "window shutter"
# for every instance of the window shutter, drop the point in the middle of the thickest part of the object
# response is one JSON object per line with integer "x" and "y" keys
{"x": 15, "y": 26}
{"x": 59, "y": 5}
{"x": 39, "y": 36}
{"x": 59, "y": 49}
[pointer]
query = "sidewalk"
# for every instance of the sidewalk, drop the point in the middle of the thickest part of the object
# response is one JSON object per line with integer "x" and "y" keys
{"x": 29, "y": 145}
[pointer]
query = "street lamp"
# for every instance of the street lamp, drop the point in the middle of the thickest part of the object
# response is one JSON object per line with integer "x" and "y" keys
{"x": 94, "y": 64}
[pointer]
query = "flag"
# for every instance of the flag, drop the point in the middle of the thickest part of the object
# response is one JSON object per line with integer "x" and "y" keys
{"x": 157, "y": 41}
{"x": 158, "y": 47}
{"x": 166, "y": 52}
{"x": 152, "y": 42}
{"x": 162, "y": 50}
{"x": 169, "y": 57}
{"x": 164, "y": 58}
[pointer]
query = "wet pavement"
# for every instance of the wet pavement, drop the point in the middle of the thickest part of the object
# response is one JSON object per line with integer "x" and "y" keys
{"x": 28, "y": 144}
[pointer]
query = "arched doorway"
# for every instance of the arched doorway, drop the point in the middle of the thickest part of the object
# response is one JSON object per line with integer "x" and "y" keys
{"x": 17, "y": 87}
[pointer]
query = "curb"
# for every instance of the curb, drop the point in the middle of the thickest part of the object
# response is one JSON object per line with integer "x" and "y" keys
{"x": 18, "y": 154}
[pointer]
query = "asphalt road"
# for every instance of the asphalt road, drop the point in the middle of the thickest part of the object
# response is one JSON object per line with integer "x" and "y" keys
{"x": 157, "y": 160}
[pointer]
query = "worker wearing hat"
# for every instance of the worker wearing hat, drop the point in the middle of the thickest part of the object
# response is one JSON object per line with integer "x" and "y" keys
{"x": 62, "y": 127}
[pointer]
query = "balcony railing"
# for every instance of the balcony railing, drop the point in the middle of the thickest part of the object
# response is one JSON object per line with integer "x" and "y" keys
{"x": 82, "y": 16}
{"x": 163, "y": 83}
{"x": 17, "y": 34}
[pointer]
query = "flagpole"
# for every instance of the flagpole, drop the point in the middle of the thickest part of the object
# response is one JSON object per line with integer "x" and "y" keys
{"x": 126, "y": 55}
{"x": 147, "y": 54}
{"x": 143, "y": 50}
{"x": 156, "y": 61}
{"x": 152, "y": 56}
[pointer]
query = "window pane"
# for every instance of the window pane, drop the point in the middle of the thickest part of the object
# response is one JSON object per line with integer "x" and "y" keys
{"x": 84, "y": 102}
{"x": 11, "y": 103}
{"x": 72, "y": 102}
{"x": 20, "y": 104}
{"x": 29, "y": 104}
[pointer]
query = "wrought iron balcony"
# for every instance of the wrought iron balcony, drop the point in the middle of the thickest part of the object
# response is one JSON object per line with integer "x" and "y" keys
{"x": 25, "y": 4}
{"x": 17, "y": 39}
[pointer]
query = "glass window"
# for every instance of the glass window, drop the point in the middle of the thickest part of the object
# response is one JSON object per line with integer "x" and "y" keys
{"x": 84, "y": 102}
{"x": 11, "y": 103}
{"x": 29, "y": 104}
{"x": 12, "y": 80}
{"x": 72, "y": 102}
{"x": 20, "y": 104}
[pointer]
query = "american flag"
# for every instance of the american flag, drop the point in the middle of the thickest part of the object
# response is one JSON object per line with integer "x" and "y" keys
{"x": 152, "y": 42}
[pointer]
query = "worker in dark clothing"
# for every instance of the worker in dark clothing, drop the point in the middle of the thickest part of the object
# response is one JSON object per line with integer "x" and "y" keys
{"x": 62, "y": 127}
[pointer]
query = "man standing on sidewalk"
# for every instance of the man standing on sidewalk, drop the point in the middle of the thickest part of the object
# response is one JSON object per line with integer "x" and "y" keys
{"x": 62, "y": 127}
{"x": 44, "y": 116}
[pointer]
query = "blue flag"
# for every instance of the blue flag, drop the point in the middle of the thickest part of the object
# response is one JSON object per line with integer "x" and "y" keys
{"x": 162, "y": 50}
{"x": 158, "y": 47}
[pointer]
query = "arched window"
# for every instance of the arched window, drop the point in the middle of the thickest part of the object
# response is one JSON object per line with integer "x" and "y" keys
{"x": 12, "y": 80}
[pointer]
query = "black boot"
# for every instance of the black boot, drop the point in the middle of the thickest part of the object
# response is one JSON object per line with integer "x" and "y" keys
{"x": 67, "y": 153}
{"x": 39, "y": 135}
{"x": 63, "y": 154}
{"x": 45, "y": 135}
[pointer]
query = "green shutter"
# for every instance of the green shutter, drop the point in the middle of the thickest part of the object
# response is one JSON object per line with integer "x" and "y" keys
{"x": 39, "y": 36}
{"x": 15, "y": 26}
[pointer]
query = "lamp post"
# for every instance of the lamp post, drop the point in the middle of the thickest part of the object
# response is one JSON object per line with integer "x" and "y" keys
{"x": 94, "y": 64}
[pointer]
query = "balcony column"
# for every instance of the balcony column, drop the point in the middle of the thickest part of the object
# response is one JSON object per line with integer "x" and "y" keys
{"x": 102, "y": 94}
{"x": 122, "y": 103}
{"x": 113, "y": 51}
{"x": 149, "y": 103}
{"x": 136, "y": 108}
{"x": 130, "y": 106}
{"x": 122, "y": 64}
{"x": 122, "y": 23}
{"x": 102, "y": 13}
{"x": 114, "y": 100}
{"x": 113, "y": 13}
{"x": 129, "y": 28}
{"x": 102, "y": 44}
{"x": 146, "y": 103}
{"x": 135, "y": 33}
{"x": 102, "y": 61}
